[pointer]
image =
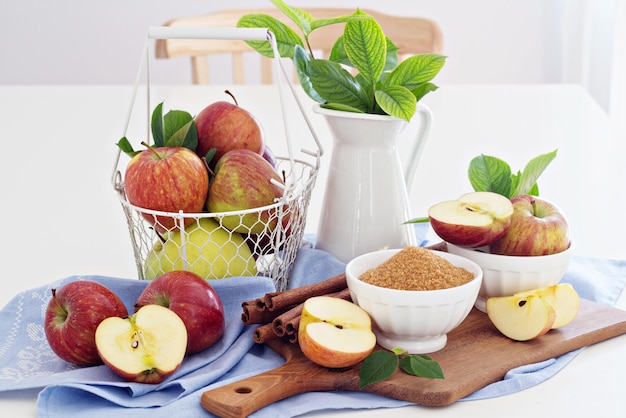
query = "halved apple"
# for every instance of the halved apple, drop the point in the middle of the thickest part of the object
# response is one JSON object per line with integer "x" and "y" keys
{"x": 563, "y": 298}
{"x": 146, "y": 347}
{"x": 473, "y": 220}
{"x": 334, "y": 332}
{"x": 521, "y": 318}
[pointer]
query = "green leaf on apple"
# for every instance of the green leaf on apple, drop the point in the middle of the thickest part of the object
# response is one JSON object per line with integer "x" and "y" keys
{"x": 491, "y": 174}
{"x": 156, "y": 124}
{"x": 179, "y": 130}
{"x": 126, "y": 147}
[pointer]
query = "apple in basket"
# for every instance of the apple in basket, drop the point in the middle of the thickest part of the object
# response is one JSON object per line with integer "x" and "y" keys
{"x": 538, "y": 227}
{"x": 334, "y": 332}
{"x": 473, "y": 220}
{"x": 211, "y": 251}
{"x": 194, "y": 300}
{"x": 168, "y": 179}
{"x": 226, "y": 126}
{"x": 245, "y": 180}
{"x": 146, "y": 347}
{"x": 72, "y": 316}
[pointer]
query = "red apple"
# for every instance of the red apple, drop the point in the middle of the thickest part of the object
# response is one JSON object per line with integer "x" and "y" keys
{"x": 146, "y": 347}
{"x": 226, "y": 126}
{"x": 538, "y": 227}
{"x": 168, "y": 179}
{"x": 72, "y": 316}
{"x": 194, "y": 301}
{"x": 473, "y": 220}
{"x": 242, "y": 181}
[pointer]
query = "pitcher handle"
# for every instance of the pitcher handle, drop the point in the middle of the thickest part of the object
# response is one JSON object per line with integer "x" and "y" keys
{"x": 425, "y": 122}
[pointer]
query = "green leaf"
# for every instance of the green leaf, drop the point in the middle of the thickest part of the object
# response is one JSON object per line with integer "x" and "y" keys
{"x": 490, "y": 174}
{"x": 334, "y": 84}
{"x": 415, "y": 70}
{"x": 397, "y": 101}
{"x": 529, "y": 176}
{"x": 366, "y": 47}
{"x": 341, "y": 107}
{"x": 301, "y": 59}
{"x": 286, "y": 38}
{"x": 378, "y": 366}
{"x": 126, "y": 147}
{"x": 176, "y": 127}
{"x": 423, "y": 89}
{"x": 157, "y": 125}
{"x": 421, "y": 366}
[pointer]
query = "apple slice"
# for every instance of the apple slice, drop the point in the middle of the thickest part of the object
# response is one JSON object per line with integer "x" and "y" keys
{"x": 521, "y": 318}
{"x": 473, "y": 220}
{"x": 334, "y": 332}
{"x": 146, "y": 347}
{"x": 563, "y": 298}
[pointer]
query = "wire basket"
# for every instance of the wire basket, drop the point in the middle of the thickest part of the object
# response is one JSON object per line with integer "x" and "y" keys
{"x": 258, "y": 241}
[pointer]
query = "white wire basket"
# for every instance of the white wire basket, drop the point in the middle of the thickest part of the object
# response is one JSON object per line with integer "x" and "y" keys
{"x": 258, "y": 241}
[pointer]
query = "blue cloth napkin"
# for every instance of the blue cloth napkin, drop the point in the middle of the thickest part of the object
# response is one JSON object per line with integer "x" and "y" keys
{"x": 26, "y": 360}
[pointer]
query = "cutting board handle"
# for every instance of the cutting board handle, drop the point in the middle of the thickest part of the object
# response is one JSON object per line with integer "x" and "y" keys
{"x": 297, "y": 375}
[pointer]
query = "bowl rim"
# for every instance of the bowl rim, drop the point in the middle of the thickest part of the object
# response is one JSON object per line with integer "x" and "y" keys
{"x": 485, "y": 254}
{"x": 476, "y": 281}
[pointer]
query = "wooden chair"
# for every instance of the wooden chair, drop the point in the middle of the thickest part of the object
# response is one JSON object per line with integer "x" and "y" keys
{"x": 412, "y": 35}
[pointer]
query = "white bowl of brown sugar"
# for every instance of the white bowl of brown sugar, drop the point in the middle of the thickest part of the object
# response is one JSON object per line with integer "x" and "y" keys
{"x": 415, "y": 296}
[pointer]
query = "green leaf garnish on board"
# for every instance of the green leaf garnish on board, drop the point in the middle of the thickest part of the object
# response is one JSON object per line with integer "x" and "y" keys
{"x": 382, "y": 364}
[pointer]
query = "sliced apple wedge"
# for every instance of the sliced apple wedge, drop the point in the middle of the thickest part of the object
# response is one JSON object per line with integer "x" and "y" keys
{"x": 563, "y": 298}
{"x": 473, "y": 220}
{"x": 334, "y": 332}
{"x": 146, "y": 347}
{"x": 521, "y": 318}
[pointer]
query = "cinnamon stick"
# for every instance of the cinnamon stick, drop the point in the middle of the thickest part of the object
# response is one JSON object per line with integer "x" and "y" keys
{"x": 264, "y": 333}
{"x": 255, "y": 312}
{"x": 280, "y": 300}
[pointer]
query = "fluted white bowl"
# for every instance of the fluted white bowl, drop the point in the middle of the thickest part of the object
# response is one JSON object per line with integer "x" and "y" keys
{"x": 505, "y": 275}
{"x": 416, "y": 321}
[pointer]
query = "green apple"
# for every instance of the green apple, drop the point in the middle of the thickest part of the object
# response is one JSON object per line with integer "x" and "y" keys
{"x": 334, "y": 332}
{"x": 211, "y": 252}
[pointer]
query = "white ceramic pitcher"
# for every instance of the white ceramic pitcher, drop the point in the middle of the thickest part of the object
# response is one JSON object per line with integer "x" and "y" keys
{"x": 366, "y": 201}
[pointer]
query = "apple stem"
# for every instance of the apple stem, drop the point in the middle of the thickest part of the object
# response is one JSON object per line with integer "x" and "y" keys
{"x": 56, "y": 301}
{"x": 145, "y": 144}
{"x": 206, "y": 164}
{"x": 232, "y": 95}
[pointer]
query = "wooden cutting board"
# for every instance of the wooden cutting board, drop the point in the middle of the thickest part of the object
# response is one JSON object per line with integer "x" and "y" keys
{"x": 476, "y": 355}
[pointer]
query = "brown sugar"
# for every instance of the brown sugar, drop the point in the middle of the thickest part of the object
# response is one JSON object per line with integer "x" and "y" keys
{"x": 416, "y": 268}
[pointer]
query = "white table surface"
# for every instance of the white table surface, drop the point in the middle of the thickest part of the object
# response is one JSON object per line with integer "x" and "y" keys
{"x": 62, "y": 218}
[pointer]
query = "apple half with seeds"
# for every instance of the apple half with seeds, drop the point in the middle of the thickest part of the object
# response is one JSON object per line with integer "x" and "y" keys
{"x": 521, "y": 318}
{"x": 145, "y": 347}
{"x": 563, "y": 298}
{"x": 334, "y": 332}
{"x": 473, "y": 220}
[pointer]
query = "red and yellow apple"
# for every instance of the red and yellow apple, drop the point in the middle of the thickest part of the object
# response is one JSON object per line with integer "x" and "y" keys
{"x": 563, "y": 298}
{"x": 72, "y": 316}
{"x": 146, "y": 347}
{"x": 194, "y": 300}
{"x": 226, "y": 126}
{"x": 538, "y": 227}
{"x": 473, "y": 220}
{"x": 334, "y": 332}
{"x": 521, "y": 318}
{"x": 245, "y": 180}
{"x": 167, "y": 179}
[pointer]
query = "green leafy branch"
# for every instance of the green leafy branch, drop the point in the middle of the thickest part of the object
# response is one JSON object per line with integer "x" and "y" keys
{"x": 382, "y": 364}
{"x": 381, "y": 84}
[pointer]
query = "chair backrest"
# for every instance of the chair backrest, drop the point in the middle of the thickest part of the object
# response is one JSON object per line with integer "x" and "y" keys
{"x": 412, "y": 35}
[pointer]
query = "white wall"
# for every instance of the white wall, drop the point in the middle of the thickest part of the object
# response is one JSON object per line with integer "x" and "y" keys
{"x": 84, "y": 42}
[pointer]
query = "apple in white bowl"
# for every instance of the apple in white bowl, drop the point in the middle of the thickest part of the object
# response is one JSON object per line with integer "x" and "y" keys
{"x": 538, "y": 227}
{"x": 473, "y": 220}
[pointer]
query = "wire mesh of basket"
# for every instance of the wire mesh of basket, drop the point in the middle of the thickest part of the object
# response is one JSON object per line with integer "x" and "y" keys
{"x": 256, "y": 241}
